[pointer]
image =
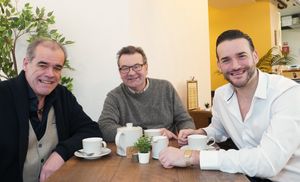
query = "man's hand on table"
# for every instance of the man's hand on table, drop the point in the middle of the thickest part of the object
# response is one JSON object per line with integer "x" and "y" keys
{"x": 172, "y": 156}
{"x": 169, "y": 134}
{"x": 54, "y": 162}
{"x": 184, "y": 133}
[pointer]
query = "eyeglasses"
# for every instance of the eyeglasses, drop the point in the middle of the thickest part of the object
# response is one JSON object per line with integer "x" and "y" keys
{"x": 126, "y": 69}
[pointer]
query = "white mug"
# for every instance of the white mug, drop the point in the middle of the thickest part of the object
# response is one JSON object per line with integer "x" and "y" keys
{"x": 152, "y": 132}
{"x": 199, "y": 142}
{"x": 93, "y": 145}
{"x": 158, "y": 144}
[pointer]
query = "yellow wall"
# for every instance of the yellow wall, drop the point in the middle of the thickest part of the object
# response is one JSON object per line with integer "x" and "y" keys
{"x": 253, "y": 19}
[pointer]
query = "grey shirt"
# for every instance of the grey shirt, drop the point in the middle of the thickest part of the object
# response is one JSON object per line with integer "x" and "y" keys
{"x": 159, "y": 106}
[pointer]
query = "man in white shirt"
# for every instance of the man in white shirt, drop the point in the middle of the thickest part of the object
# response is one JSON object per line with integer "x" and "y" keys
{"x": 258, "y": 111}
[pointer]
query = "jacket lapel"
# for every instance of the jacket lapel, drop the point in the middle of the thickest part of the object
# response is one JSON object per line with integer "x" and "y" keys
{"x": 19, "y": 91}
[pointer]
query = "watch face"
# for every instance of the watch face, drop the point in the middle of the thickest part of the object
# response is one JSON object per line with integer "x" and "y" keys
{"x": 187, "y": 153}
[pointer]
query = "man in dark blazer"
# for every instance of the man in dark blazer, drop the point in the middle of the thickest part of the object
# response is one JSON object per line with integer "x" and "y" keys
{"x": 42, "y": 124}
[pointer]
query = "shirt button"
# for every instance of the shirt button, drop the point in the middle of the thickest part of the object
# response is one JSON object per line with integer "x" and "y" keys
{"x": 244, "y": 137}
{"x": 40, "y": 145}
{"x": 42, "y": 161}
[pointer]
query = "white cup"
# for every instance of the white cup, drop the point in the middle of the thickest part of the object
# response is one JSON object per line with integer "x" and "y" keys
{"x": 158, "y": 144}
{"x": 93, "y": 145}
{"x": 152, "y": 132}
{"x": 199, "y": 142}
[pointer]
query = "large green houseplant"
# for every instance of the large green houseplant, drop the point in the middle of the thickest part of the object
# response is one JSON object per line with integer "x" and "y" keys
{"x": 28, "y": 23}
{"x": 275, "y": 56}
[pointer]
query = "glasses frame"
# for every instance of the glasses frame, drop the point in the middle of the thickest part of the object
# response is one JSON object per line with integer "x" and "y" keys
{"x": 121, "y": 69}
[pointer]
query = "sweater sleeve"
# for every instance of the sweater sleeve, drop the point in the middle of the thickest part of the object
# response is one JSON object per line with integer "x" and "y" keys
{"x": 109, "y": 119}
{"x": 182, "y": 119}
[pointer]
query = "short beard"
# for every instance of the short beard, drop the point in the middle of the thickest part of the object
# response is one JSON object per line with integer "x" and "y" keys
{"x": 250, "y": 72}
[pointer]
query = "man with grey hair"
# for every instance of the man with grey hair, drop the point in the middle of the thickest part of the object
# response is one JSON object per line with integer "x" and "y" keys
{"x": 42, "y": 124}
{"x": 146, "y": 102}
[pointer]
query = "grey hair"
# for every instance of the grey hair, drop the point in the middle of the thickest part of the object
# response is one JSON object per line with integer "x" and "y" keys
{"x": 49, "y": 43}
{"x": 131, "y": 50}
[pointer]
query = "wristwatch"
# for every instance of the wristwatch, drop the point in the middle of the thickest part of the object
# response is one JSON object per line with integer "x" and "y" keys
{"x": 188, "y": 157}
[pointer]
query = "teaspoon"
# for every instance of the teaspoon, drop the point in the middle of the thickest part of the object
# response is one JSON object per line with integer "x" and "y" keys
{"x": 84, "y": 153}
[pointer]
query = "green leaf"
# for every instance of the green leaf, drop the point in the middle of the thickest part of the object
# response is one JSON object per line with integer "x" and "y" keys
{"x": 7, "y": 12}
{"x": 69, "y": 42}
{"x": 42, "y": 13}
{"x": 37, "y": 10}
{"x": 62, "y": 40}
{"x": 2, "y": 9}
{"x": 53, "y": 31}
{"x": 50, "y": 14}
{"x": 67, "y": 82}
{"x": 10, "y": 32}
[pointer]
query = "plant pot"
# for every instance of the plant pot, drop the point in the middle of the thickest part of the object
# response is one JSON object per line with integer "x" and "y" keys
{"x": 207, "y": 109}
{"x": 144, "y": 157}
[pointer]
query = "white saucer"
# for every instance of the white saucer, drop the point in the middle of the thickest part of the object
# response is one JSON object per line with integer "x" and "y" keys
{"x": 185, "y": 147}
{"x": 104, "y": 151}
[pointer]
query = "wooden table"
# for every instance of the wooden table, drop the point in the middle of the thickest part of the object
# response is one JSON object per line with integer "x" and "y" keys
{"x": 116, "y": 168}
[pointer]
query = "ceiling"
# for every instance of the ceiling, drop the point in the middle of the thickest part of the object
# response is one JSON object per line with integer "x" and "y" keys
{"x": 293, "y": 6}
{"x": 228, "y": 3}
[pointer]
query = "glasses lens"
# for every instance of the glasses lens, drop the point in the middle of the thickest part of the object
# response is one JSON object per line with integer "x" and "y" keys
{"x": 137, "y": 67}
{"x": 124, "y": 69}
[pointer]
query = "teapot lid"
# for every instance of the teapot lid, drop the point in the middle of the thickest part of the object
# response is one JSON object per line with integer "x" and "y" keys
{"x": 129, "y": 126}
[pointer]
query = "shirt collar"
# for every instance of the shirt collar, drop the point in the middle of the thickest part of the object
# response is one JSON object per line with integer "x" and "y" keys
{"x": 260, "y": 92}
{"x": 146, "y": 87}
{"x": 33, "y": 100}
{"x": 262, "y": 86}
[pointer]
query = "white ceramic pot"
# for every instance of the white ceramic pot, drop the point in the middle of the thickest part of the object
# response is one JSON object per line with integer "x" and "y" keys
{"x": 144, "y": 157}
{"x": 126, "y": 137}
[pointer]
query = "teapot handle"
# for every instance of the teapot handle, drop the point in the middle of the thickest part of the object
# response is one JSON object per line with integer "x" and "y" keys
{"x": 117, "y": 139}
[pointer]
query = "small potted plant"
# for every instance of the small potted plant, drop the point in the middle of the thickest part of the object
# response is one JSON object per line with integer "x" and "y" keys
{"x": 143, "y": 145}
{"x": 206, "y": 105}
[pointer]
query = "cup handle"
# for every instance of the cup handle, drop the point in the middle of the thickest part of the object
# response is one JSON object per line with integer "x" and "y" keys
{"x": 103, "y": 144}
{"x": 211, "y": 139}
{"x": 154, "y": 140}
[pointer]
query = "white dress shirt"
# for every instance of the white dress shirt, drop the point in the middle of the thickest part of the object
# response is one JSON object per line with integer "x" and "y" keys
{"x": 269, "y": 137}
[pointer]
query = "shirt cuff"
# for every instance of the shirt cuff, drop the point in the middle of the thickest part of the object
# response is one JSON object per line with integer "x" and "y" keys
{"x": 209, "y": 160}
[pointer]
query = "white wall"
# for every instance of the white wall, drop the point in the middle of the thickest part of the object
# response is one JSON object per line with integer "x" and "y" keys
{"x": 173, "y": 33}
{"x": 292, "y": 36}
{"x": 275, "y": 25}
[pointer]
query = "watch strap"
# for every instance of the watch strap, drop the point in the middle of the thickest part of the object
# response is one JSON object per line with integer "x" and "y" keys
{"x": 188, "y": 157}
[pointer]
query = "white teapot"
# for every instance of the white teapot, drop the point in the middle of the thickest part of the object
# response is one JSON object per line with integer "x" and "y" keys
{"x": 126, "y": 137}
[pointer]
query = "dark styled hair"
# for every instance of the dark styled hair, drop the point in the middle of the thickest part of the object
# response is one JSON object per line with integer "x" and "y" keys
{"x": 49, "y": 43}
{"x": 131, "y": 50}
{"x": 234, "y": 34}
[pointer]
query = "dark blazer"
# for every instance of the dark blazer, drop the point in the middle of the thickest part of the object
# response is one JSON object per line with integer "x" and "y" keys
{"x": 71, "y": 121}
